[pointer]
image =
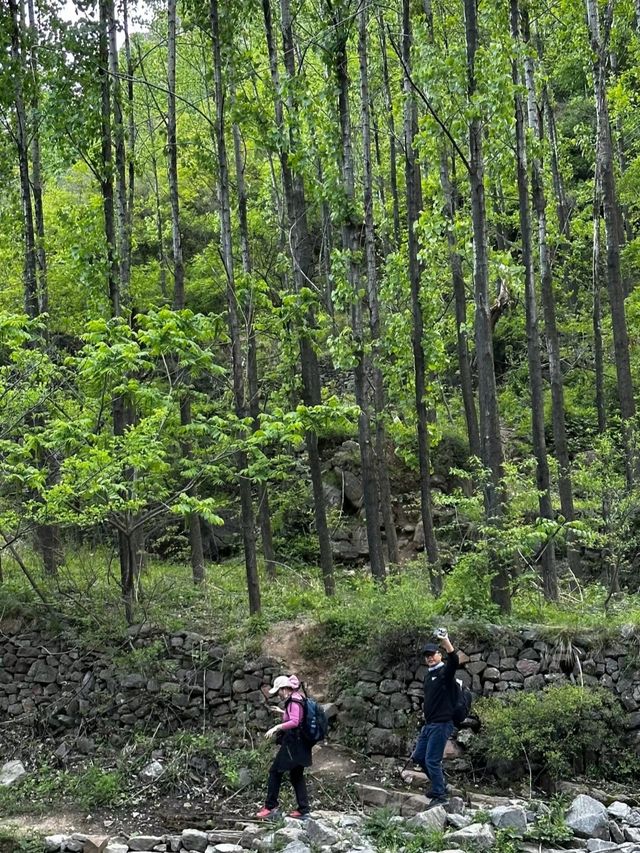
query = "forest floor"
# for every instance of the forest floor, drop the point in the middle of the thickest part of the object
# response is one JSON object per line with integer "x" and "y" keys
{"x": 334, "y": 769}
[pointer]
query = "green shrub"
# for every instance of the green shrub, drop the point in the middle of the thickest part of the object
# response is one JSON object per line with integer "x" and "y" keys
{"x": 97, "y": 787}
{"x": 550, "y": 827}
{"x": 547, "y": 730}
{"x": 392, "y": 835}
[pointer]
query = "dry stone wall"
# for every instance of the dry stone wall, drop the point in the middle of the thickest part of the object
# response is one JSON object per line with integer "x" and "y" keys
{"x": 167, "y": 682}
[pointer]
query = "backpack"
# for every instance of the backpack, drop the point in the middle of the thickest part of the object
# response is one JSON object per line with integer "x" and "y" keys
{"x": 462, "y": 699}
{"x": 315, "y": 724}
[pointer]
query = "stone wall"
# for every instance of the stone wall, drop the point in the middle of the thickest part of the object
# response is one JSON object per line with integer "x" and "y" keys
{"x": 381, "y": 711}
{"x": 167, "y": 682}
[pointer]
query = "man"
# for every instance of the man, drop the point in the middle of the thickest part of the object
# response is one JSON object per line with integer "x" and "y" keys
{"x": 439, "y": 701}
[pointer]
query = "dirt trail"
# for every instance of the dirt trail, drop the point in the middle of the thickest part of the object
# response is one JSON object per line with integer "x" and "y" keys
{"x": 283, "y": 641}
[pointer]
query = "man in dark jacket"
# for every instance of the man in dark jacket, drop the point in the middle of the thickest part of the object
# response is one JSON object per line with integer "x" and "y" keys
{"x": 439, "y": 701}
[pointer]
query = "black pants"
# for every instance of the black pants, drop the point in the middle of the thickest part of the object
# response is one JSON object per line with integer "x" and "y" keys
{"x": 299, "y": 786}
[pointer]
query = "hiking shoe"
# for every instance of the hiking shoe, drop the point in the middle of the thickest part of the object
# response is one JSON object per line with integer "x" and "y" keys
{"x": 266, "y": 813}
{"x": 437, "y": 801}
{"x": 298, "y": 815}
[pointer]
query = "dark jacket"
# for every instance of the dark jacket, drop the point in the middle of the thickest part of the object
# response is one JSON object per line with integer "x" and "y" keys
{"x": 439, "y": 693}
{"x": 295, "y": 750}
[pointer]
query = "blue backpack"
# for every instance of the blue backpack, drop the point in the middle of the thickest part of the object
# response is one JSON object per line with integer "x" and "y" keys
{"x": 315, "y": 724}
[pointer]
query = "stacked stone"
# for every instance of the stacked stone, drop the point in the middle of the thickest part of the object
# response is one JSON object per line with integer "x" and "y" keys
{"x": 54, "y": 682}
{"x": 594, "y": 828}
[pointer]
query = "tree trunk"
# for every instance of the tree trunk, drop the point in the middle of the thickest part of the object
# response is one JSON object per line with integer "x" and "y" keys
{"x": 490, "y": 438}
{"x": 460, "y": 295}
{"x": 598, "y": 348}
{"x": 302, "y": 269}
{"x": 252, "y": 355}
{"x": 412, "y": 177}
{"x": 388, "y": 103}
{"x": 556, "y": 382}
{"x": 562, "y": 208}
{"x": 248, "y": 527}
{"x": 549, "y": 573}
{"x": 351, "y": 246}
{"x": 382, "y": 468}
{"x": 22, "y": 142}
{"x": 605, "y": 161}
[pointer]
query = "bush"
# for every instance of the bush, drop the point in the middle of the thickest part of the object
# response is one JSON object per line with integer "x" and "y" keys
{"x": 547, "y": 731}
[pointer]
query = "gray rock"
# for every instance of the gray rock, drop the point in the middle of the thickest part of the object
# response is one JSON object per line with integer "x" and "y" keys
{"x": 619, "y": 810}
{"x": 480, "y": 835}
{"x": 11, "y": 773}
{"x": 227, "y": 848}
{"x": 151, "y": 772}
{"x": 616, "y": 832}
{"x": 296, "y": 847}
{"x": 633, "y": 817}
{"x": 435, "y": 818}
{"x": 511, "y": 817}
{"x": 595, "y": 845}
{"x": 459, "y": 821}
{"x": 320, "y": 832}
{"x": 53, "y": 843}
{"x": 145, "y": 842}
{"x": 631, "y": 834}
{"x": 194, "y": 839}
{"x": 384, "y": 742}
{"x": 588, "y": 818}
{"x": 116, "y": 847}
{"x": 290, "y": 833}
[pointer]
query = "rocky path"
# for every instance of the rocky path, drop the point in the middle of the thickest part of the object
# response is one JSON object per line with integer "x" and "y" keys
{"x": 407, "y": 825}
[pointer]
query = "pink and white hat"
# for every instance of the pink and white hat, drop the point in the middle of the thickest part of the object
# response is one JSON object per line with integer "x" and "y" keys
{"x": 291, "y": 681}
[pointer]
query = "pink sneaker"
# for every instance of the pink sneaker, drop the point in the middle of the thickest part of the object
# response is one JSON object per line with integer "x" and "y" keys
{"x": 265, "y": 813}
{"x": 298, "y": 815}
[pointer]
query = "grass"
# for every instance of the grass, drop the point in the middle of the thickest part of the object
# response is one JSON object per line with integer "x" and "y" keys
{"x": 361, "y": 613}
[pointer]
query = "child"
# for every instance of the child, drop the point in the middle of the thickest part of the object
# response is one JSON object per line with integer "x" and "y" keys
{"x": 295, "y": 751}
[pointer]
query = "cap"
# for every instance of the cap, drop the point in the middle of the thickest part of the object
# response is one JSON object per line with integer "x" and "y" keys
{"x": 283, "y": 681}
{"x": 430, "y": 648}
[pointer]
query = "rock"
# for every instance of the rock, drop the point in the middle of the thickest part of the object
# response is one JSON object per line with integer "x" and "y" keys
{"x": 459, "y": 821}
{"x": 151, "y": 772}
{"x": 11, "y": 773}
{"x": 595, "y": 845}
{"x": 116, "y": 847}
{"x": 95, "y": 843}
{"x": 53, "y": 843}
{"x": 619, "y": 810}
{"x": 616, "y": 833}
{"x": 435, "y": 818}
{"x": 145, "y": 842}
{"x": 85, "y": 745}
{"x": 588, "y": 818}
{"x": 320, "y": 832}
{"x": 290, "y": 833}
{"x": 384, "y": 742}
{"x": 479, "y": 835}
{"x": 512, "y": 817}
{"x": 631, "y": 834}
{"x": 296, "y": 847}
{"x": 227, "y": 848}
{"x": 633, "y": 817}
{"x": 194, "y": 839}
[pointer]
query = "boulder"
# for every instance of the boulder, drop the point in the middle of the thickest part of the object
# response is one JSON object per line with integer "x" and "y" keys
{"x": 145, "y": 842}
{"x": 320, "y": 832}
{"x": 95, "y": 843}
{"x": 619, "y": 810}
{"x": 435, "y": 818}
{"x": 53, "y": 843}
{"x": 595, "y": 845}
{"x": 193, "y": 839}
{"x": 588, "y": 818}
{"x": 384, "y": 742}
{"x": 296, "y": 847}
{"x": 509, "y": 817}
{"x": 11, "y": 773}
{"x": 151, "y": 772}
{"x": 477, "y": 835}
{"x": 116, "y": 847}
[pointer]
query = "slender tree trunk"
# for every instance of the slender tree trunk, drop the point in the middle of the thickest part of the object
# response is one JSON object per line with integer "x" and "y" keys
{"x": 598, "y": 348}
{"x": 302, "y": 268}
{"x": 248, "y": 527}
{"x": 490, "y": 438}
{"x": 351, "y": 245}
{"x": 599, "y": 45}
{"x": 549, "y": 309}
{"x": 122, "y": 216}
{"x": 460, "y": 295}
{"x": 412, "y": 177}
{"x": 131, "y": 132}
{"x": 22, "y": 142}
{"x": 252, "y": 354}
{"x": 543, "y": 485}
{"x": 382, "y": 469}
{"x": 388, "y": 103}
